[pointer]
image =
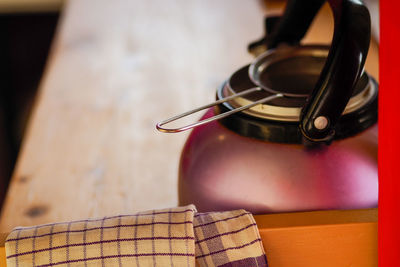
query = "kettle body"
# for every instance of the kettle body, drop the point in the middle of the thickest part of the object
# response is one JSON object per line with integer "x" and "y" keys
{"x": 259, "y": 160}
{"x": 222, "y": 170}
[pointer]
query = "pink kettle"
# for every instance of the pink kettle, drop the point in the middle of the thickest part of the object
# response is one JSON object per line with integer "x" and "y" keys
{"x": 295, "y": 130}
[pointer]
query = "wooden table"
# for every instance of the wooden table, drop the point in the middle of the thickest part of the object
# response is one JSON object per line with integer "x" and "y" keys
{"x": 116, "y": 68}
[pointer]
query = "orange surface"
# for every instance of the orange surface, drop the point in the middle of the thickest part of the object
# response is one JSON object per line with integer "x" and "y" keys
{"x": 322, "y": 238}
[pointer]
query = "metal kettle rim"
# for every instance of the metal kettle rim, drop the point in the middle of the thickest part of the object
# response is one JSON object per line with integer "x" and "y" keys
{"x": 365, "y": 88}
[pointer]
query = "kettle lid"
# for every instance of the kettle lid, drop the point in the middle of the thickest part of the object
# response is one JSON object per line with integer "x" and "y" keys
{"x": 293, "y": 71}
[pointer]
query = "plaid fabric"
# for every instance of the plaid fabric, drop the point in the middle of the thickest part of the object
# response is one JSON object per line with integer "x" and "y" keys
{"x": 228, "y": 239}
{"x": 153, "y": 238}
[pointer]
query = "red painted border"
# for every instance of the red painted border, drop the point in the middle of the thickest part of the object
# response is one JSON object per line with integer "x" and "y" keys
{"x": 389, "y": 141}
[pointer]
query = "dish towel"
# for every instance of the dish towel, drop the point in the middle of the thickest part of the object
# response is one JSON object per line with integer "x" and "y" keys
{"x": 168, "y": 237}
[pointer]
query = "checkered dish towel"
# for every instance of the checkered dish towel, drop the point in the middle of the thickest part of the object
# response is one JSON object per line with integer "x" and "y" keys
{"x": 169, "y": 237}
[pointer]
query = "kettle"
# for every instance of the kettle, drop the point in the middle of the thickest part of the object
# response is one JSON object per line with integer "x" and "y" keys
{"x": 296, "y": 129}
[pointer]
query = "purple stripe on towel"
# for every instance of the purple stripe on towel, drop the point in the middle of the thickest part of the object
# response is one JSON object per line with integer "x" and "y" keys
{"x": 210, "y": 231}
{"x": 102, "y": 242}
{"x": 221, "y": 220}
{"x": 227, "y": 233}
{"x": 116, "y": 256}
{"x": 226, "y": 249}
{"x": 260, "y": 261}
{"x": 94, "y": 228}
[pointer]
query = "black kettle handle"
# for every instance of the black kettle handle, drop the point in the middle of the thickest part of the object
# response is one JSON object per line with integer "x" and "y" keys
{"x": 343, "y": 66}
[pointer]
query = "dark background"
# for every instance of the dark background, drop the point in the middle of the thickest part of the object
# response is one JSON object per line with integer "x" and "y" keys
{"x": 25, "y": 41}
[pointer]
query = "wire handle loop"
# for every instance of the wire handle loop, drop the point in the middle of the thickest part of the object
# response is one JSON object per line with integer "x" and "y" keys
{"x": 216, "y": 117}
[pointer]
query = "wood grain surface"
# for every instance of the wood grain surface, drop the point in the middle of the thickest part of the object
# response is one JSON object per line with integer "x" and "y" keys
{"x": 116, "y": 68}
